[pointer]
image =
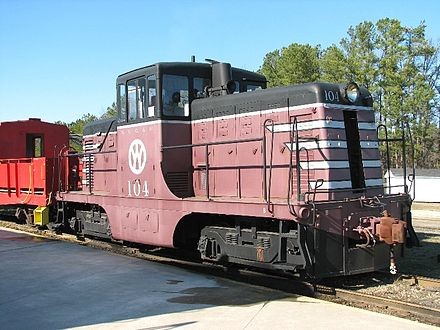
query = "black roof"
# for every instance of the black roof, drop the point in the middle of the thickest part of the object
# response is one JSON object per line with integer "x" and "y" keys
{"x": 100, "y": 125}
{"x": 265, "y": 99}
{"x": 189, "y": 66}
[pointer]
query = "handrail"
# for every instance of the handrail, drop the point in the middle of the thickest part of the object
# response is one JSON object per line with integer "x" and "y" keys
{"x": 267, "y": 189}
{"x": 181, "y": 146}
{"x": 81, "y": 154}
{"x": 207, "y": 145}
{"x": 387, "y": 150}
{"x": 207, "y": 171}
{"x": 308, "y": 162}
{"x": 404, "y": 159}
{"x": 413, "y": 164}
{"x": 89, "y": 172}
{"x": 289, "y": 184}
{"x": 30, "y": 191}
{"x": 106, "y": 134}
{"x": 402, "y": 139}
{"x": 60, "y": 166}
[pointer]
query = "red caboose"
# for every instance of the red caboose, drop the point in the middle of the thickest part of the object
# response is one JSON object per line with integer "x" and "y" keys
{"x": 28, "y": 166}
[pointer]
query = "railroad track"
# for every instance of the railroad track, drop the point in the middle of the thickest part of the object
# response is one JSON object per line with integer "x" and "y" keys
{"x": 274, "y": 281}
{"x": 398, "y": 308}
{"x": 425, "y": 282}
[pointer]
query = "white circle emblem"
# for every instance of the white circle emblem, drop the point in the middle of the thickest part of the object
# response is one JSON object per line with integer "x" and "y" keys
{"x": 137, "y": 156}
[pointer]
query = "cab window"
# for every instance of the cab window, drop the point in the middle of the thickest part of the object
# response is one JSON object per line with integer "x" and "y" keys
{"x": 237, "y": 87}
{"x": 253, "y": 87}
{"x": 136, "y": 98}
{"x": 122, "y": 104}
{"x": 175, "y": 97}
{"x": 199, "y": 85}
{"x": 151, "y": 83}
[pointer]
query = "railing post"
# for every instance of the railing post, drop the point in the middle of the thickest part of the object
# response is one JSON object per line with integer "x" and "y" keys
{"x": 207, "y": 171}
{"x": 89, "y": 172}
{"x": 8, "y": 173}
{"x": 298, "y": 162}
{"x": 266, "y": 186}
{"x": 387, "y": 145}
{"x": 264, "y": 165}
{"x": 405, "y": 187}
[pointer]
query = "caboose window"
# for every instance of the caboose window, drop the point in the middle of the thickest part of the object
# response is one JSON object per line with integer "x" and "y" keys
{"x": 136, "y": 98}
{"x": 34, "y": 145}
{"x": 175, "y": 97}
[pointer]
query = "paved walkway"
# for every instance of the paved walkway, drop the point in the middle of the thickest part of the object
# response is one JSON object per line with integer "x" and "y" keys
{"x": 53, "y": 284}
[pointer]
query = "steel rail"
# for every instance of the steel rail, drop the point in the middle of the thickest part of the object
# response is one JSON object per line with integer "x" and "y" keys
{"x": 425, "y": 282}
{"x": 426, "y": 312}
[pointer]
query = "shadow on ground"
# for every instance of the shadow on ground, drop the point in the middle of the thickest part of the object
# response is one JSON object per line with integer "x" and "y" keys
{"x": 423, "y": 260}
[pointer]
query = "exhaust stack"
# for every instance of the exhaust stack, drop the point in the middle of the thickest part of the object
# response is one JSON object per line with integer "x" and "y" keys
{"x": 222, "y": 83}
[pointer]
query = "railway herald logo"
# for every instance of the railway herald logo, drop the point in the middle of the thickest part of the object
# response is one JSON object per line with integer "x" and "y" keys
{"x": 137, "y": 156}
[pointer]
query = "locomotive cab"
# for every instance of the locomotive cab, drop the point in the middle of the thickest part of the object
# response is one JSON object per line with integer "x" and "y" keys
{"x": 165, "y": 92}
{"x": 154, "y": 104}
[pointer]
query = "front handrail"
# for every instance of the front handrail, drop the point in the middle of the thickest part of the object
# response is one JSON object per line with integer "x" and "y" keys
{"x": 293, "y": 128}
{"x": 413, "y": 164}
{"x": 387, "y": 144}
{"x": 401, "y": 139}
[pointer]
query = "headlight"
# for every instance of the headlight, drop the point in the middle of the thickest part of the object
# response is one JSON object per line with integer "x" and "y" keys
{"x": 351, "y": 92}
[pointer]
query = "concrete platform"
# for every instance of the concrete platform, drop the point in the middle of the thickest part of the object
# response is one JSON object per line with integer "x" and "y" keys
{"x": 48, "y": 284}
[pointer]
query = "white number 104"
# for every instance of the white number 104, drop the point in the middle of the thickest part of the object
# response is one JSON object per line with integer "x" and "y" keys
{"x": 136, "y": 188}
{"x": 331, "y": 96}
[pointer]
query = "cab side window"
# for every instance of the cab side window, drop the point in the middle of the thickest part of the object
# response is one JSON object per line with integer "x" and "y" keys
{"x": 253, "y": 87}
{"x": 136, "y": 98}
{"x": 122, "y": 103}
{"x": 199, "y": 85}
{"x": 151, "y": 89}
{"x": 175, "y": 97}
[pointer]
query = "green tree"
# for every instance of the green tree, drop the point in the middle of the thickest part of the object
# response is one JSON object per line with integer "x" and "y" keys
{"x": 111, "y": 112}
{"x": 333, "y": 65}
{"x": 77, "y": 127}
{"x": 270, "y": 68}
{"x": 406, "y": 93}
{"x": 359, "y": 52}
{"x": 398, "y": 65}
{"x": 294, "y": 64}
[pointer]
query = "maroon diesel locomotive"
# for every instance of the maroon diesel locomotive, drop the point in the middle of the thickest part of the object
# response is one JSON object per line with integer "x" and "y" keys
{"x": 203, "y": 156}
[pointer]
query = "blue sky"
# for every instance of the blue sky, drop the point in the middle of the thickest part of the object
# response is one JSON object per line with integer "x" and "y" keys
{"x": 59, "y": 59}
